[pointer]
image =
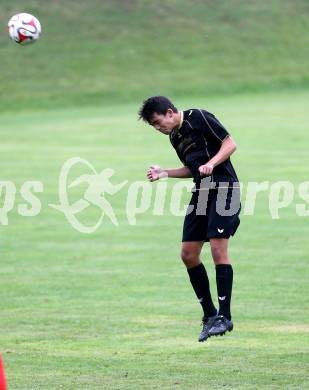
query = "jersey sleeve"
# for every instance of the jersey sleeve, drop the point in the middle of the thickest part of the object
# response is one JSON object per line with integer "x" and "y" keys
{"x": 211, "y": 127}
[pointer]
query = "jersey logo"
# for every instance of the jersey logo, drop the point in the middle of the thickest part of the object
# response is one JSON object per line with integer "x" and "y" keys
{"x": 220, "y": 230}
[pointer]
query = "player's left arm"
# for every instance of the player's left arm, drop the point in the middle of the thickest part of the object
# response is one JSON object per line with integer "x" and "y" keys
{"x": 228, "y": 147}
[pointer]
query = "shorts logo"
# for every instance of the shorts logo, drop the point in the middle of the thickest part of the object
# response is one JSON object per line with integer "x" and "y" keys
{"x": 222, "y": 298}
{"x": 220, "y": 230}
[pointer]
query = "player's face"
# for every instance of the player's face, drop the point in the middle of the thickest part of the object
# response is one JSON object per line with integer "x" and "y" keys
{"x": 163, "y": 123}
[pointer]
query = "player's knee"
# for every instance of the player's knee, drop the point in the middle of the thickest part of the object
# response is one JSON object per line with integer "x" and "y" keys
{"x": 219, "y": 254}
{"x": 190, "y": 258}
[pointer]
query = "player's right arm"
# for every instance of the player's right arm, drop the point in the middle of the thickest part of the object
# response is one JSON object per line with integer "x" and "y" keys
{"x": 155, "y": 172}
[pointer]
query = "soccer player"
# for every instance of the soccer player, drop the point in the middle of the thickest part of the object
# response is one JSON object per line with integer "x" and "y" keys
{"x": 204, "y": 146}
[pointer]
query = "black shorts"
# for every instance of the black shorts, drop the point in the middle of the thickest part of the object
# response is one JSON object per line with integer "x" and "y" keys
{"x": 212, "y": 213}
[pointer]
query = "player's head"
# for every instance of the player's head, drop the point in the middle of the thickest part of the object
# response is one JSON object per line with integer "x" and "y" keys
{"x": 160, "y": 113}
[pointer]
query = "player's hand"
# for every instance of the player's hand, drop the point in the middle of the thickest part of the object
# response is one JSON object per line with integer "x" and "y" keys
{"x": 206, "y": 169}
{"x": 155, "y": 173}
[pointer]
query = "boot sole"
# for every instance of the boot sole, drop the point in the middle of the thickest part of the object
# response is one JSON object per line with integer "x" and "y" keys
{"x": 221, "y": 333}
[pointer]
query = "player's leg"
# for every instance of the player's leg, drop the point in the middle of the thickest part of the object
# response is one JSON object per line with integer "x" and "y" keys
{"x": 224, "y": 278}
{"x": 223, "y": 221}
{"x": 194, "y": 235}
{"x": 190, "y": 255}
{"x": 224, "y": 274}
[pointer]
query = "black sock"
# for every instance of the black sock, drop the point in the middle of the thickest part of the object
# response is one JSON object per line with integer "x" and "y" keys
{"x": 200, "y": 283}
{"x": 224, "y": 276}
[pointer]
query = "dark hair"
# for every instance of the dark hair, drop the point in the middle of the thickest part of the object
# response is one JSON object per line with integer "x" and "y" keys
{"x": 155, "y": 104}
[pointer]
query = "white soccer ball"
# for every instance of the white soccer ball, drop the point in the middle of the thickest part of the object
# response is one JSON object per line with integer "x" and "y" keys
{"x": 24, "y": 28}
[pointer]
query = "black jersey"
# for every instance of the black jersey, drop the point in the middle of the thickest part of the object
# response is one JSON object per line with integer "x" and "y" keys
{"x": 197, "y": 140}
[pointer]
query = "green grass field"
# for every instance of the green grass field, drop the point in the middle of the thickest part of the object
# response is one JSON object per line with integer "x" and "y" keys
{"x": 114, "y": 309}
